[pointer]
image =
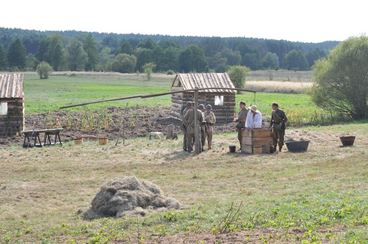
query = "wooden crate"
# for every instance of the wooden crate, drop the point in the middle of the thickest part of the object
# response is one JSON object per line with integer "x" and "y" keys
{"x": 256, "y": 141}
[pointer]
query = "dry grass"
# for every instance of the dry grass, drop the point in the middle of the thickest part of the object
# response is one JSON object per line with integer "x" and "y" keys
{"x": 41, "y": 189}
{"x": 279, "y": 86}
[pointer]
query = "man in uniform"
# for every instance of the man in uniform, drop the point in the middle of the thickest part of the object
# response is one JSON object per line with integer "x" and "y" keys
{"x": 189, "y": 123}
{"x": 278, "y": 124}
{"x": 242, "y": 117}
{"x": 210, "y": 120}
{"x": 203, "y": 125}
{"x": 183, "y": 111}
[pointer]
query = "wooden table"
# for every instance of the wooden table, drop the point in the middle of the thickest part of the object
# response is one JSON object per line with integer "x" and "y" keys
{"x": 32, "y": 137}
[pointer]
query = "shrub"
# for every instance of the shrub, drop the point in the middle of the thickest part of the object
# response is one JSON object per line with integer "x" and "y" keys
{"x": 43, "y": 70}
{"x": 238, "y": 74}
{"x": 341, "y": 79}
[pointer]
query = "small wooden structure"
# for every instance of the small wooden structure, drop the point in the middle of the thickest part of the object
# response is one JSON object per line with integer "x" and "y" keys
{"x": 222, "y": 98}
{"x": 256, "y": 141}
{"x": 11, "y": 104}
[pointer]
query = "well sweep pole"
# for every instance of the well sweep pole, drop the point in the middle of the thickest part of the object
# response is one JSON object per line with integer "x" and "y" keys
{"x": 196, "y": 125}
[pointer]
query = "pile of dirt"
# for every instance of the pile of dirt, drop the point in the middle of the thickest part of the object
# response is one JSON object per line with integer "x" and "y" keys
{"x": 128, "y": 195}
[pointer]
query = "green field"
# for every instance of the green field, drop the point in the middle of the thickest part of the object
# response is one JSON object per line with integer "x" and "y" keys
{"x": 49, "y": 95}
{"x": 315, "y": 197}
{"x": 57, "y": 91}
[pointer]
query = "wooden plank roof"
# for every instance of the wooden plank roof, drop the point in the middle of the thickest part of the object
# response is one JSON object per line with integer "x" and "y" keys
{"x": 11, "y": 85}
{"x": 189, "y": 81}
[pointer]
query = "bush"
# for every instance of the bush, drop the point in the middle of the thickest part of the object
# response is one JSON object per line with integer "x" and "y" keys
{"x": 43, "y": 70}
{"x": 148, "y": 69}
{"x": 341, "y": 79}
{"x": 238, "y": 74}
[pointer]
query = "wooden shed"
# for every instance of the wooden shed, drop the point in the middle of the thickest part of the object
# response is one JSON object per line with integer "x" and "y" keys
{"x": 221, "y": 98}
{"x": 11, "y": 104}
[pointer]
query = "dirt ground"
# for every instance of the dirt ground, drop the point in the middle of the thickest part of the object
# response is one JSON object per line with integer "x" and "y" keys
{"x": 113, "y": 123}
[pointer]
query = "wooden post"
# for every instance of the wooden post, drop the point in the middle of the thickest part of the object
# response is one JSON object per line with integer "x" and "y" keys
{"x": 196, "y": 125}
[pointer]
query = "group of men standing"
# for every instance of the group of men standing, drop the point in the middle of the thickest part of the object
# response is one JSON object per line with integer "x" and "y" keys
{"x": 252, "y": 118}
{"x": 206, "y": 119}
{"x": 247, "y": 118}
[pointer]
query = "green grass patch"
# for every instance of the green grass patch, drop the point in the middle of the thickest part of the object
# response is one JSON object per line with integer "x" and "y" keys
{"x": 49, "y": 95}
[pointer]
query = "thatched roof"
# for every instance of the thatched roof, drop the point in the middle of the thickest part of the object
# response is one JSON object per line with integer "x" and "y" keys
{"x": 11, "y": 85}
{"x": 189, "y": 81}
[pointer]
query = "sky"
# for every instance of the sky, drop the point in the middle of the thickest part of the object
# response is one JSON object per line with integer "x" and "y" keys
{"x": 294, "y": 20}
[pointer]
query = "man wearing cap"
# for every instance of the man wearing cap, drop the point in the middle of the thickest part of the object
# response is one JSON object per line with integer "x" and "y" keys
{"x": 210, "y": 120}
{"x": 254, "y": 118}
{"x": 183, "y": 111}
{"x": 203, "y": 125}
{"x": 189, "y": 123}
{"x": 278, "y": 124}
{"x": 242, "y": 117}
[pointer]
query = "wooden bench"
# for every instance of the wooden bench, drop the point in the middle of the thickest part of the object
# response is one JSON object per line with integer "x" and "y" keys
{"x": 32, "y": 137}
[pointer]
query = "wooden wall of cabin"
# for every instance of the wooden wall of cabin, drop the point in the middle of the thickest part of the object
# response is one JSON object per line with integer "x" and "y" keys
{"x": 224, "y": 113}
{"x": 13, "y": 122}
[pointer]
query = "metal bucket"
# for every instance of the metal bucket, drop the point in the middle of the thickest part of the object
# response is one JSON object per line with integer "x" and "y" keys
{"x": 347, "y": 140}
{"x": 297, "y": 146}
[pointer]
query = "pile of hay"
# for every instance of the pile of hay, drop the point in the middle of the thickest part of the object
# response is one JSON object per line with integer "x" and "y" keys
{"x": 128, "y": 195}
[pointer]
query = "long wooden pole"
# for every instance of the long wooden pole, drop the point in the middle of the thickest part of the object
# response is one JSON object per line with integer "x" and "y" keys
{"x": 155, "y": 95}
{"x": 196, "y": 125}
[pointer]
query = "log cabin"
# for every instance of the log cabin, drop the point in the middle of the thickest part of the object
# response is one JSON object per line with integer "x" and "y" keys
{"x": 222, "y": 99}
{"x": 11, "y": 104}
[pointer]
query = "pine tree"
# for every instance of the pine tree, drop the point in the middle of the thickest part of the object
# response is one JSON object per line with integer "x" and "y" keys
{"x": 17, "y": 55}
{"x": 90, "y": 46}
{"x": 55, "y": 52}
{"x": 2, "y": 59}
{"x": 77, "y": 56}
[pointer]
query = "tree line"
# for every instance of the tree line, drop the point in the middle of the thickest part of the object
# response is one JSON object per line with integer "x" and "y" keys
{"x": 78, "y": 51}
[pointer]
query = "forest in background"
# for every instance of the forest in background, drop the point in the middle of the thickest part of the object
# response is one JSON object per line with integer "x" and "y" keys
{"x": 126, "y": 53}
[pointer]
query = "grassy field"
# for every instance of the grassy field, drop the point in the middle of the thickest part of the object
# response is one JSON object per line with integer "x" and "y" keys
{"x": 60, "y": 90}
{"x": 312, "y": 197}
{"x": 49, "y": 95}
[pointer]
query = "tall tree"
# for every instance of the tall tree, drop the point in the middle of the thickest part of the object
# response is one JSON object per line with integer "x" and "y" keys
{"x": 17, "y": 55}
{"x": 193, "y": 59}
{"x": 77, "y": 55}
{"x": 90, "y": 46}
{"x": 126, "y": 47}
{"x": 144, "y": 55}
{"x": 56, "y": 53}
{"x": 232, "y": 57}
{"x": 43, "y": 50}
{"x": 270, "y": 61}
{"x": 2, "y": 59}
{"x": 169, "y": 59}
{"x": 295, "y": 60}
